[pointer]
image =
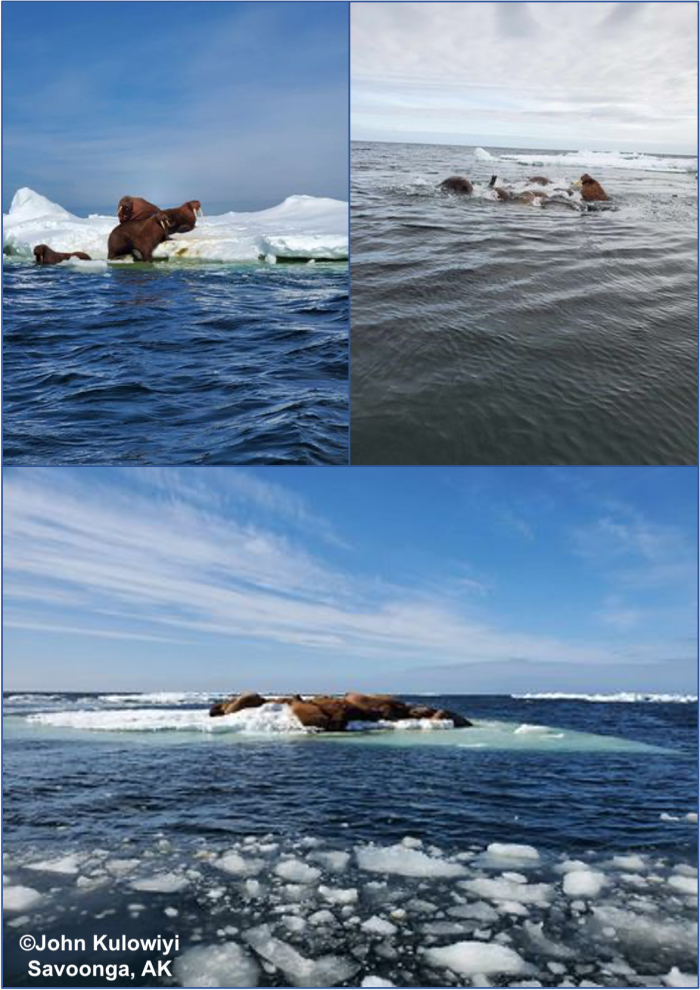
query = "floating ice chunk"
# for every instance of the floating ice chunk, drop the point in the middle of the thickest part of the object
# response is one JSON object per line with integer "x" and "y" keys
{"x": 235, "y": 864}
{"x": 583, "y": 883}
{"x": 297, "y": 871}
{"x": 378, "y": 926}
{"x": 692, "y": 817}
{"x": 226, "y": 965}
{"x": 81, "y": 265}
{"x": 322, "y": 918}
{"x": 506, "y": 890}
{"x": 376, "y": 981}
{"x": 629, "y": 862}
{"x": 470, "y": 958}
{"x": 328, "y": 971}
{"x": 336, "y": 895}
{"x": 665, "y": 817}
{"x": 19, "y": 898}
{"x": 333, "y": 859}
{"x": 405, "y": 862}
{"x": 163, "y": 883}
{"x": 686, "y": 885}
{"x": 478, "y": 910}
{"x": 545, "y": 945}
{"x": 501, "y": 855}
{"x": 65, "y": 864}
{"x": 120, "y": 867}
{"x": 293, "y": 923}
{"x": 512, "y": 907}
{"x": 677, "y": 979}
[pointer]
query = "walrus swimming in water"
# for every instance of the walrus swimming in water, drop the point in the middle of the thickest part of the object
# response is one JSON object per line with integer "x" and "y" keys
{"x": 540, "y": 180}
{"x": 44, "y": 255}
{"x": 135, "y": 208}
{"x": 457, "y": 184}
{"x": 591, "y": 190}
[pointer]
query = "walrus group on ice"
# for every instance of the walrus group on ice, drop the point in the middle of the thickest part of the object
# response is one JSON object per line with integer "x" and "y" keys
{"x": 590, "y": 189}
{"x": 142, "y": 227}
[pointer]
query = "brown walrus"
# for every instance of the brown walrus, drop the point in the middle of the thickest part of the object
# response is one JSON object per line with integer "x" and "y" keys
{"x": 135, "y": 208}
{"x": 139, "y": 238}
{"x": 540, "y": 180}
{"x": 184, "y": 218}
{"x": 457, "y": 184}
{"x": 44, "y": 255}
{"x": 591, "y": 190}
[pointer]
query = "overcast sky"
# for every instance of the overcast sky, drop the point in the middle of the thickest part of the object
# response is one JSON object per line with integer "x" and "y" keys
{"x": 310, "y": 579}
{"x": 235, "y": 104}
{"x": 595, "y": 76}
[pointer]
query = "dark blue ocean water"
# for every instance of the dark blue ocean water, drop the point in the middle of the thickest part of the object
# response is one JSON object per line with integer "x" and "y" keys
{"x": 492, "y": 333}
{"x": 173, "y": 802}
{"x": 163, "y": 364}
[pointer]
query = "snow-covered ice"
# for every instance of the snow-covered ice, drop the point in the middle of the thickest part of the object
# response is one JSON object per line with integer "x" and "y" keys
{"x": 302, "y": 227}
{"x": 470, "y": 958}
{"x": 226, "y": 965}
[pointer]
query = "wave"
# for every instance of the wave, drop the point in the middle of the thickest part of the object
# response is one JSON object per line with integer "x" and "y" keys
{"x": 605, "y": 159}
{"x": 302, "y": 227}
{"x": 627, "y": 697}
{"x": 482, "y": 155}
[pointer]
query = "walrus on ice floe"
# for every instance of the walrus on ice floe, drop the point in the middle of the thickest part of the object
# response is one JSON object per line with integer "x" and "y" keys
{"x": 457, "y": 184}
{"x": 591, "y": 190}
{"x": 135, "y": 208}
{"x": 184, "y": 218}
{"x": 139, "y": 238}
{"x": 44, "y": 255}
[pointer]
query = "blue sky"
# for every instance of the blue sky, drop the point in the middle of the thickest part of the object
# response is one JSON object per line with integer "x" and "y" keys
{"x": 478, "y": 579}
{"x": 235, "y": 104}
{"x": 589, "y": 75}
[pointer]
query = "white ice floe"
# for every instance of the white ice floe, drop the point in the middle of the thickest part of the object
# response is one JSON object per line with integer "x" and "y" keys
{"x": 226, "y": 965}
{"x": 376, "y": 981}
{"x": 162, "y": 883}
{"x": 677, "y": 979}
{"x": 507, "y": 890}
{"x": 297, "y": 871}
{"x": 19, "y": 898}
{"x": 685, "y": 885}
{"x": 583, "y": 883}
{"x": 63, "y": 864}
{"x": 471, "y": 958}
{"x": 405, "y": 862}
{"x": 238, "y": 865}
{"x": 500, "y": 855}
{"x": 378, "y": 926}
{"x": 269, "y": 718}
{"x": 327, "y": 971}
{"x": 627, "y": 697}
{"x": 302, "y": 227}
{"x": 604, "y": 159}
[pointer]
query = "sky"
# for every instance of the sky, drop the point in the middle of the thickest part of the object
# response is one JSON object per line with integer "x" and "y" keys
{"x": 473, "y": 580}
{"x": 235, "y": 104}
{"x": 588, "y": 76}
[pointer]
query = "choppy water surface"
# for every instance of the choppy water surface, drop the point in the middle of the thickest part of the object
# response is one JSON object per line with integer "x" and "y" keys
{"x": 176, "y": 364}
{"x": 561, "y": 832}
{"x": 487, "y": 332}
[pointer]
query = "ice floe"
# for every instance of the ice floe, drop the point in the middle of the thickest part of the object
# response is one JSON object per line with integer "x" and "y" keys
{"x": 302, "y": 227}
{"x": 471, "y": 958}
{"x": 622, "y": 697}
{"x": 226, "y": 965}
{"x": 19, "y": 898}
{"x": 603, "y": 159}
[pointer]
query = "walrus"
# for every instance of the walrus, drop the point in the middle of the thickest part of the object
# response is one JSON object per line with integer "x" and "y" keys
{"x": 457, "y": 184}
{"x": 135, "y": 208}
{"x": 184, "y": 218}
{"x": 44, "y": 255}
{"x": 591, "y": 190}
{"x": 540, "y": 180}
{"x": 139, "y": 238}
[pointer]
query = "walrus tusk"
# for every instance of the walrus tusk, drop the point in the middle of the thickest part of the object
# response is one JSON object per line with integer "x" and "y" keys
{"x": 578, "y": 184}
{"x": 199, "y": 212}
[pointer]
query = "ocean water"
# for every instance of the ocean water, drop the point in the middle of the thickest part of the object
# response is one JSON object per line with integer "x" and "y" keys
{"x": 494, "y": 333}
{"x": 201, "y": 363}
{"x": 553, "y": 844}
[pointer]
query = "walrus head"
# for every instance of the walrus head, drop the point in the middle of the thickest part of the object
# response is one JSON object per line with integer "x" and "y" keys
{"x": 195, "y": 206}
{"x": 39, "y": 252}
{"x": 166, "y": 222}
{"x": 125, "y": 209}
